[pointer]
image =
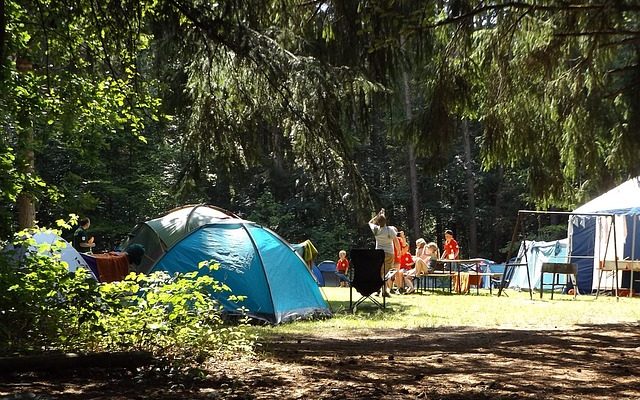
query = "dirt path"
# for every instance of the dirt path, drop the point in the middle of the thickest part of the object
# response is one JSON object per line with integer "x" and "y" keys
{"x": 598, "y": 362}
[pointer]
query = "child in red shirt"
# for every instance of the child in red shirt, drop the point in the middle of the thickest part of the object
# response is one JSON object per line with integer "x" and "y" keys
{"x": 342, "y": 267}
{"x": 405, "y": 270}
{"x": 451, "y": 248}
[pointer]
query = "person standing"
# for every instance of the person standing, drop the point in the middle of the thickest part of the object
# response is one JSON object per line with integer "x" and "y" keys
{"x": 451, "y": 250}
{"x": 81, "y": 240}
{"x": 385, "y": 237}
{"x": 342, "y": 268}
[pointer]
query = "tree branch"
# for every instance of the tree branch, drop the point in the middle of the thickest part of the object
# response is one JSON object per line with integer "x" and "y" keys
{"x": 3, "y": 23}
{"x": 622, "y": 89}
{"x": 533, "y": 8}
{"x": 598, "y": 33}
{"x": 633, "y": 67}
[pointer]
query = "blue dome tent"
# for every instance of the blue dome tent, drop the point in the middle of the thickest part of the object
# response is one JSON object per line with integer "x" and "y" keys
{"x": 254, "y": 262}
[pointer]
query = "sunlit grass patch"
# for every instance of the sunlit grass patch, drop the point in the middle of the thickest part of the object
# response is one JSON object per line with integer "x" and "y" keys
{"x": 444, "y": 310}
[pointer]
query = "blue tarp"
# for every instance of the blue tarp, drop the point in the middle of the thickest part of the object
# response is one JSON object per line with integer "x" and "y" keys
{"x": 317, "y": 274}
{"x": 537, "y": 253}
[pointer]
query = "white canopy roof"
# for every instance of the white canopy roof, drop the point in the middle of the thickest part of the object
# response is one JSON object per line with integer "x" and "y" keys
{"x": 623, "y": 199}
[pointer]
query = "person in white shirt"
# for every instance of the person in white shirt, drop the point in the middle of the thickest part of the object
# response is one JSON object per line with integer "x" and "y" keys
{"x": 385, "y": 238}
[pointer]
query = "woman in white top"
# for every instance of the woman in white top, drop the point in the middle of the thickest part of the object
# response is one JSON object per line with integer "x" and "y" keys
{"x": 385, "y": 238}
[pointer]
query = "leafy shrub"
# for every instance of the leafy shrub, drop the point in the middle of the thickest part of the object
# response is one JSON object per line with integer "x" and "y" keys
{"x": 41, "y": 303}
{"x": 44, "y": 307}
{"x": 173, "y": 316}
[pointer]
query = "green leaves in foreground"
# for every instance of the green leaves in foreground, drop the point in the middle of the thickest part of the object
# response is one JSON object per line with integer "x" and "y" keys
{"x": 44, "y": 307}
{"x": 175, "y": 317}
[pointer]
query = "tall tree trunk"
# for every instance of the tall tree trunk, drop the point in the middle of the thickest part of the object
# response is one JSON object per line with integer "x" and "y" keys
{"x": 377, "y": 157}
{"x": 414, "y": 219}
{"x": 471, "y": 195}
{"x": 279, "y": 171}
{"x": 495, "y": 252}
{"x": 26, "y": 158}
{"x": 3, "y": 24}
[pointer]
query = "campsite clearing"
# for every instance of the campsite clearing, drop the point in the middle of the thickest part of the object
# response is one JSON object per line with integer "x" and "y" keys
{"x": 431, "y": 346}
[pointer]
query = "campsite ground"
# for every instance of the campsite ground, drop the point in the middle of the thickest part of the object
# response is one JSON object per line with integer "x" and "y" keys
{"x": 350, "y": 357}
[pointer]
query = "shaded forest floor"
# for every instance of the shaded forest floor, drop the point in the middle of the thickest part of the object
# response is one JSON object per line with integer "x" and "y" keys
{"x": 588, "y": 362}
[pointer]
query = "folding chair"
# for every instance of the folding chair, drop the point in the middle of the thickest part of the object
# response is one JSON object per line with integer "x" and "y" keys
{"x": 504, "y": 281}
{"x": 366, "y": 265}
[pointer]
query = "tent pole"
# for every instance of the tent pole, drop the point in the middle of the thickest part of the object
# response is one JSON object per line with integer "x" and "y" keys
{"x": 576, "y": 289}
{"x": 615, "y": 253}
{"x": 633, "y": 238}
{"x": 526, "y": 260}
{"x": 606, "y": 249}
{"x": 509, "y": 252}
{"x": 276, "y": 317}
{"x": 633, "y": 252}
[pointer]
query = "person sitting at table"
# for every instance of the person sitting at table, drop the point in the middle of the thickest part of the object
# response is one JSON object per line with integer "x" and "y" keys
{"x": 403, "y": 277}
{"x": 398, "y": 244}
{"x": 433, "y": 255}
{"x": 421, "y": 257}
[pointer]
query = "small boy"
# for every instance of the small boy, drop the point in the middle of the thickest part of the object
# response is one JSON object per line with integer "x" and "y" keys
{"x": 342, "y": 267}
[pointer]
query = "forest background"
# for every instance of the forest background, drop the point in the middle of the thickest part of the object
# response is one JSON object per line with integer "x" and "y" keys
{"x": 307, "y": 116}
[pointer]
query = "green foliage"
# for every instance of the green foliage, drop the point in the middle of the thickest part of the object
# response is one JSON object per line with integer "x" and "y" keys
{"x": 44, "y": 307}
{"x": 551, "y": 232}
{"x": 330, "y": 232}
{"x": 175, "y": 317}
{"x": 557, "y": 96}
{"x": 9, "y": 188}
{"x": 296, "y": 114}
{"x": 538, "y": 229}
{"x": 73, "y": 95}
{"x": 268, "y": 212}
{"x": 42, "y": 304}
{"x": 329, "y": 237}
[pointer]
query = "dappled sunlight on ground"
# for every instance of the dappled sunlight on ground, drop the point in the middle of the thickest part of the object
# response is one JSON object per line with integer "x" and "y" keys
{"x": 588, "y": 362}
{"x": 430, "y": 346}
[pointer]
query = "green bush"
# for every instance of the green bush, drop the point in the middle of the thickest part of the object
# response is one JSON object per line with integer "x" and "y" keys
{"x": 44, "y": 307}
{"x": 172, "y": 316}
{"x": 41, "y": 303}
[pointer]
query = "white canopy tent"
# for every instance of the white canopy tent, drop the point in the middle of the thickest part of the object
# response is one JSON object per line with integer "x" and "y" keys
{"x": 594, "y": 238}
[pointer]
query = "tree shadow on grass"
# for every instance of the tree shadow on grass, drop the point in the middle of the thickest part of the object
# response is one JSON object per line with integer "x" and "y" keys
{"x": 588, "y": 362}
{"x": 367, "y": 308}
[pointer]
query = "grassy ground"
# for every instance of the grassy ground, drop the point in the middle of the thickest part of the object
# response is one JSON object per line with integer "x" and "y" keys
{"x": 441, "y": 309}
